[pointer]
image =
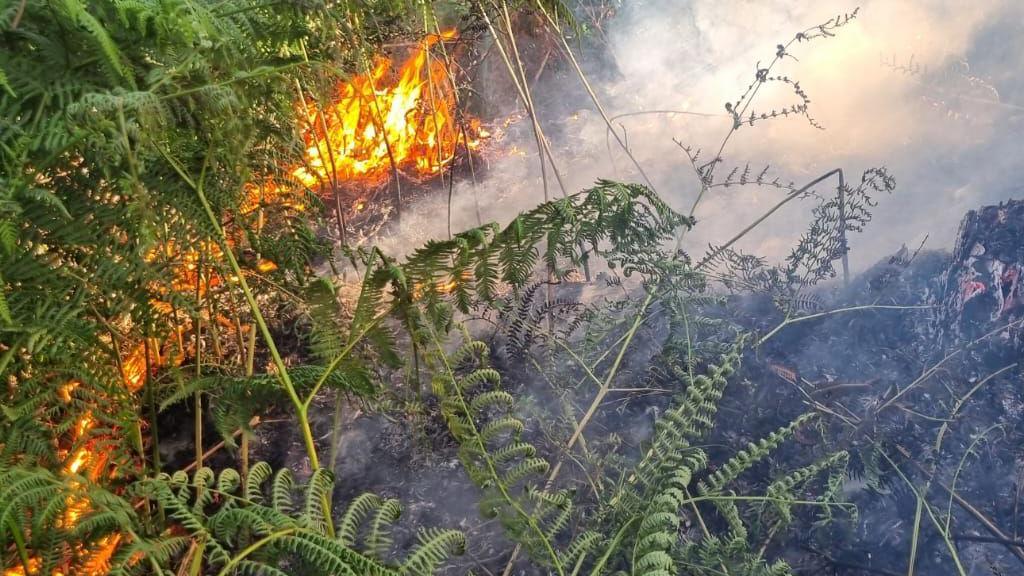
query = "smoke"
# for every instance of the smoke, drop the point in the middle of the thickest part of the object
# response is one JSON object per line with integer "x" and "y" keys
{"x": 930, "y": 89}
{"x": 899, "y": 86}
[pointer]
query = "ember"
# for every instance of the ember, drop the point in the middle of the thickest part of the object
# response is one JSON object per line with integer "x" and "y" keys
{"x": 987, "y": 269}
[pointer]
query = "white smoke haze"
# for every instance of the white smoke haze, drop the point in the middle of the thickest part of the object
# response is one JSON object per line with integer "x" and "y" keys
{"x": 945, "y": 126}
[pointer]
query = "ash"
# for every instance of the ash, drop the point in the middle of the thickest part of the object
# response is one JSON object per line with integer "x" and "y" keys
{"x": 927, "y": 399}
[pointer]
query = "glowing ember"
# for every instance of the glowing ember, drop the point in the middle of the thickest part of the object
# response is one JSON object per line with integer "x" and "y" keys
{"x": 192, "y": 267}
{"x": 408, "y": 118}
{"x": 268, "y": 193}
{"x": 384, "y": 120}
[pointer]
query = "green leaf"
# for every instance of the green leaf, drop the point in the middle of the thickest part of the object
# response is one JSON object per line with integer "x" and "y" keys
{"x": 5, "y": 84}
{"x": 44, "y": 197}
{"x": 5, "y": 310}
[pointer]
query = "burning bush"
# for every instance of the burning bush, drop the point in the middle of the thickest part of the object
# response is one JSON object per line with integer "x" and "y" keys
{"x": 161, "y": 276}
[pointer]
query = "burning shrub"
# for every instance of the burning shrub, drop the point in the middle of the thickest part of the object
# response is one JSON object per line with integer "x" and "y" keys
{"x": 160, "y": 259}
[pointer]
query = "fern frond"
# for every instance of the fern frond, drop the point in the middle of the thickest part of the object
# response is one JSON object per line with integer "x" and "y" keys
{"x": 435, "y": 546}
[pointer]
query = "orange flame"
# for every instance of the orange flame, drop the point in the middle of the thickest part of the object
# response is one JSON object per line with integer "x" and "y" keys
{"x": 373, "y": 127}
{"x": 404, "y": 120}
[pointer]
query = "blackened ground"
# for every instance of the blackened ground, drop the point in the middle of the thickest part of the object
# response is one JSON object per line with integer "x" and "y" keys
{"x": 861, "y": 365}
{"x": 411, "y": 460}
{"x": 864, "y": 367}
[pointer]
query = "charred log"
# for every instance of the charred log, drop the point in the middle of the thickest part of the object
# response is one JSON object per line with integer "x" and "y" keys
{"x": 983, "y": 288}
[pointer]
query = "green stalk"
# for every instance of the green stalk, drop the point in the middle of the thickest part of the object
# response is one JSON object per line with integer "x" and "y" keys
{"x": 791, "y": 196}
{"x": 606, "y": 385}
{"x": 196, "y": 565}
{"x": 689, "y": 370}
{"x": 9, "y": 354}
{"x": 598, "y": 398}
{"x": 301, "y": 408}
{"x": 790, "y": 321}
{"x": 960, "y": 467}
{"x": 252, "y": 548}
{"x": 960, "y": 404}
{"x": 916, "y": 535}
{"x": 282, "y": 370}
{"x": 250, "y": 352}
{"x": 613, "y": 546}
{"x": 931, "y": 515}
{"x": 467, "y": 414}
{"x": 19, "y": 542}
{"x": 356, "y": 338}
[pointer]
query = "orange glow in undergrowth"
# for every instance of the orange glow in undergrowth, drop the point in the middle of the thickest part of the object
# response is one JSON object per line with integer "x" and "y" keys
{"x": 405, "y": 117}
{"x": 185, "y": 262}
{"x": 267, "y": 192}
{"x": 85, "y": 460}
{"x": 387, "y": 119}
{"x": 192, "y": 273}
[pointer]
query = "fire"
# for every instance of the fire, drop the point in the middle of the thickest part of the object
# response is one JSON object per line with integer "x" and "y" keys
{"x": 382, "y": 121}
{"x": 192, "y": 272}
{"x": 267, "y": 192}
{"x": 186, "y": 262}
{"x": 266, "y": 266}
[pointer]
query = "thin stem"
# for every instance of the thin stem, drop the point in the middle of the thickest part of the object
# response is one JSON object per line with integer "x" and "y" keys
{"x": 460, "y": 120}
{"x": 960, "y": 403}
{"x": 842, "y": 233}
{"x": 606, "y": 385}
{"x": 791, "y": 196}
{"x": 593, "y": 95}
{"x": 856, "y": 423}
{"x": 492, "y": 470}
{"x": 19, "y": 543}
{"x": 612, "y": 547}
{"x": 931, "y": 515}
{"x": 915, "y": 536}
{"x": 250, "y": 353}
{"x": 150, "y": 400}
{"x": 928, "y": 373}
{"x": 339, "y": 212}
{"x": 281, "y": 368}
{"x": 354, "y": 340}
{"x": 197, "y": 396}
{"x": 739, "y": 110}
{"x": 798, "y": 319}
{"x": 252, "y": 548}
{"x": 959, "y": 468}
{"x": 378, "y": 118}
{"x": 253, "y": 422}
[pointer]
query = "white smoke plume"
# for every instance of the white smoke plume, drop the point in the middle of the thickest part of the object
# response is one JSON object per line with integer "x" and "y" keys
{"x": 931, "y": 89}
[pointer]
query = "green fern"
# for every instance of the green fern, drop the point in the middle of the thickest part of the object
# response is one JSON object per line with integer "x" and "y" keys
{"x": 500, "y": 463}
{"x": 241, "y": 533}
{"x": 672, "y": 476}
